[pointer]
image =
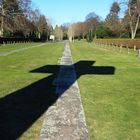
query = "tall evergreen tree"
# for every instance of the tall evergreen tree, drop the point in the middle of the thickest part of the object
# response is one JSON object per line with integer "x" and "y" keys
{"x": 112, "y": 20}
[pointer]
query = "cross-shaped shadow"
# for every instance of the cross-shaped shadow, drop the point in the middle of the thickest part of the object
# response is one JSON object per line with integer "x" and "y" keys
{"x": 20, "y": 109}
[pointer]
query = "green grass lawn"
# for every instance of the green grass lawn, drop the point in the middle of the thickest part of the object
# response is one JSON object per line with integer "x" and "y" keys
{"x": 111, "y": 102}
{"x": 26, "y": 89}
{"x": 11, "y": 47}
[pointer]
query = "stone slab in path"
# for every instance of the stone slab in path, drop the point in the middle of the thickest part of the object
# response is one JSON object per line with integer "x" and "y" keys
{"x": 66, "y": 120}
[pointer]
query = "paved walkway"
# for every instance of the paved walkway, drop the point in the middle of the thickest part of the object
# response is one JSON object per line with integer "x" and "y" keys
{"x": 19, "y": 50}
{"x": 66, "y": 120}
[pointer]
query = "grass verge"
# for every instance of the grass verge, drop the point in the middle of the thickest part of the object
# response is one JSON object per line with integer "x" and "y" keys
{"x": 111, "y": 102}
{"x": 26, "y": 89}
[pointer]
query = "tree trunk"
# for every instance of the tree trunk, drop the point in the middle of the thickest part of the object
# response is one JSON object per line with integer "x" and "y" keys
{"x": 133, "y": 26}
{"x": 136, "y": 27}
{"x": 2, "y": 22}
{"x": 83, "y": 37}
{"x": 95, "y": 36}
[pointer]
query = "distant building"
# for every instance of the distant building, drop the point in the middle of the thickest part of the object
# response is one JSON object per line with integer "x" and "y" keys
{"x": 52, "y": 37}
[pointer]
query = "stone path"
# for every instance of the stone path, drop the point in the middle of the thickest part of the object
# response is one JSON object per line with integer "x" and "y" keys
{"x": 66, "y": 120}
{"x": 19, "y": 50}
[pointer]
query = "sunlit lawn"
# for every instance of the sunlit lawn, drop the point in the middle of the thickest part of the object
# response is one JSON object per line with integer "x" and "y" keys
{"x": 16, "y": 79}
{"x": 111, "y": 102}
{"x": 10, "y": 47}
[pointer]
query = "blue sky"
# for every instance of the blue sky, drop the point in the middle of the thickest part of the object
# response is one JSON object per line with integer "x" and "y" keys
{"x": 65, "y": 11}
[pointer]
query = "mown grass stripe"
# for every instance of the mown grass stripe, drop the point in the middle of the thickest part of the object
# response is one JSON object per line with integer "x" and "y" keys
{"x": 19, "y": 50}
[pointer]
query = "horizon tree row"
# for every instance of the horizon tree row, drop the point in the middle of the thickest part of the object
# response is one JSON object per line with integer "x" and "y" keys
{"x": 114, "y": 25}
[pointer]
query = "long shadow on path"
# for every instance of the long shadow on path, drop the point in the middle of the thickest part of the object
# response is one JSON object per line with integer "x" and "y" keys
{"x": 20, "y": 109}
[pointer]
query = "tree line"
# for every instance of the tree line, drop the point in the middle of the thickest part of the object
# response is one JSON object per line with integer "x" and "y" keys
{"x": 114, "y": 26}
{"x": 19, "y": 19}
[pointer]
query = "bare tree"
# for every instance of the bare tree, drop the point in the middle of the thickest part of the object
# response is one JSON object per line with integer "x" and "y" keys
{"x": 9, "y": 10}
{"x": 58, "y": 31}
{"x": 132, "y": 15}
{"x": 19, "y": 19}
{"x": 2, "y": 18}
{"x": 71, "y": 32}
{"x": 42, "y": 27}
{"x": 81, "y": 29}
